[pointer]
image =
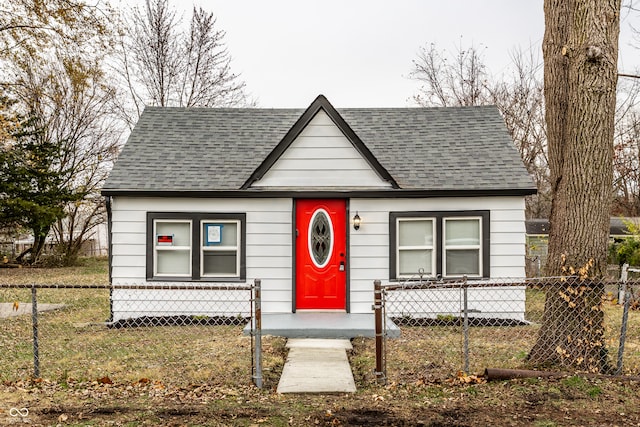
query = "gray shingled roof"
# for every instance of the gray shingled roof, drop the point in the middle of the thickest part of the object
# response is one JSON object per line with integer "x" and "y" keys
{"x": 430, "y": 149}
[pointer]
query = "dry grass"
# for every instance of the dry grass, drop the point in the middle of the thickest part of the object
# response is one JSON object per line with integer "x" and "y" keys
{"x": 75, "y": 343}
{"x": 439, "y": 351}
{"x": 200, "y": 375}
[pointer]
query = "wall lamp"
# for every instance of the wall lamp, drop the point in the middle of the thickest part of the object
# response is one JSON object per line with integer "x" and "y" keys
{"x": 356, "y": 221}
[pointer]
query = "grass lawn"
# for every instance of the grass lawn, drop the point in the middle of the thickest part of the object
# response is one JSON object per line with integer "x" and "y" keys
{"x": 93, "y": 375}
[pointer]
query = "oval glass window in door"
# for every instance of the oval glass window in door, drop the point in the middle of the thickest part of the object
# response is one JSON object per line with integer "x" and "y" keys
{"x": 320, "y": 238}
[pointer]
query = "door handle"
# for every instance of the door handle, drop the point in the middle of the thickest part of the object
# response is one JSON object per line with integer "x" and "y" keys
{"x": 341, "y": 268}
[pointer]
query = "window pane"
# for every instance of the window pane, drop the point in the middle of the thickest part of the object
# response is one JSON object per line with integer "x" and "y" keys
{"x": 220, "y": 233}
{"x": 181, "y": 232}
{"x": 415, "y": 233}
{"x": 411, "y": 261}
{"x": 219, "y": 263}
{"x": 462, "y": 232}
{"x": 175, "y": 262}
{"x": 465, "y": 261}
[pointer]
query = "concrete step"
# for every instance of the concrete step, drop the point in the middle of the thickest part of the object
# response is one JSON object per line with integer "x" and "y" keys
{"x": 321, "y": 325}
{"x": 317, "y": 366}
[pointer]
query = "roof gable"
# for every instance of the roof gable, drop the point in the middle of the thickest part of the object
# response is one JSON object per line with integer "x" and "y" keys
{"x": 316, "y": 111}
{"x": 321, "y": 157}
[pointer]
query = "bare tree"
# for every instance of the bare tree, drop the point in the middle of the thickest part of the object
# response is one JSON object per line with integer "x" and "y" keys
{"x": 54, "y": 72}
{"x": 626, "y": 179}
{"x": 449, "y": 80}
{"x": 28, "y": 27}
{"x": 162, "y": 66}
{"x": 580, "y": 49}
{"x": 74, "y": 103}
{"x": 462, "y": 79}
{"x": 626, "y": 164}
{"x": 519, "y": 97}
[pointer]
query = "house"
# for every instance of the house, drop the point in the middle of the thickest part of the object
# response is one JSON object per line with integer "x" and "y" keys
{"x": 538, "y": 242}
{"x": 316, "y": 203}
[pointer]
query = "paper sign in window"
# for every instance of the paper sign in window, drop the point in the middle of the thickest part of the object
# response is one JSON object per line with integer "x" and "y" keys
{"x": 213, "y": 234}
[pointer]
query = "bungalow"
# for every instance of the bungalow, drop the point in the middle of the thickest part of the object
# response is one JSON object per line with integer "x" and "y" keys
{"x": 316, "y": 203}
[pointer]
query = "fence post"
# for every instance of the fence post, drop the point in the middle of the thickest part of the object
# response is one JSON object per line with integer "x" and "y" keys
{"x": 624, "y": 274}
{"x": 256, "y": 330}
{"x": 34, "y": 323}
{"x": 379, "y": 372}
{"x": 623, "y": 327}
{"x": 465, "y": 305}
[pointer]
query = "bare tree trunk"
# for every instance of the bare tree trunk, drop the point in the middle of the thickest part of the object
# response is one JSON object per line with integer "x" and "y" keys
{"x": 580, "y": 50}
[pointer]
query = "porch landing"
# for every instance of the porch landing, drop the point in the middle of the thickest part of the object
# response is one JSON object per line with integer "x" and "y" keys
{"x": 322, "y": 325}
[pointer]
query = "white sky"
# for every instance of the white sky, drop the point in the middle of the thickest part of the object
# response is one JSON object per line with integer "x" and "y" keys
{"x": 359, "y": 53}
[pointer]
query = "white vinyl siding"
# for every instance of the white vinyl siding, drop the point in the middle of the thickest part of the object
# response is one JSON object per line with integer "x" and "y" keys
{"x": 369, "y": 246}
{"x": 268, "y": 246}
{"x": 320, "y": 157}
{"x": 269, "y": 241}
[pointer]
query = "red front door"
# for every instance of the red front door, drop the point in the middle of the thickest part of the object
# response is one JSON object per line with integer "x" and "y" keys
{"x": 321, "y": 242}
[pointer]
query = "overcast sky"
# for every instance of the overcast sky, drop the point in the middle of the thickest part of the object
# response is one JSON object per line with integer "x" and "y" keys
{"x": 359, "y": 52}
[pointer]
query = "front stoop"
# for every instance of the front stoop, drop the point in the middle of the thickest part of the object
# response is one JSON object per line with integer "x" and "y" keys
{"x": 322, "y": 325}
{"x": 317, "y": 366}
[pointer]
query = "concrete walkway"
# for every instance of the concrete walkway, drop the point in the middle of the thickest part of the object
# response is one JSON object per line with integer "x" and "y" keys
{"x": 317, "y": 366}
{"x": 8, "y": 309}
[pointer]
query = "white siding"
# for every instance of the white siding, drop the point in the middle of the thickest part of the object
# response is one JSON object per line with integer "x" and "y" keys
{"x": 370, "y": 244}
{"x": 269, "y": 240}
{"x": 268, "y": 246}
{"x": 321, "y": 156}
{"x": 482, "y": 303}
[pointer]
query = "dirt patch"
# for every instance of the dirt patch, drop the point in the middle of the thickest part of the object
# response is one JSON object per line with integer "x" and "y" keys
{"x": 514, "y": 403}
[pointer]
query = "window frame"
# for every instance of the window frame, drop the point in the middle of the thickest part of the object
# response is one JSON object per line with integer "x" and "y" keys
{"x": 446, "y": 247}
{"x": 155, "y": 248}
{"x": 196, "y": 221}
{"x": 439, "y": 243}
{"x": 220, "y": 248}
{"x": 431, "y": 247}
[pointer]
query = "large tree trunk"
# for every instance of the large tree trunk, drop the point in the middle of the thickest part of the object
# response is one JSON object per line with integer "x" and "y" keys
{"x": 580, "y": 50}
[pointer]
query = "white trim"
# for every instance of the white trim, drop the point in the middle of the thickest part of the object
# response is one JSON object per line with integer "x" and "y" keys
{"x": 236, "y": 248}
{"x": 432, "y": 247}
{"x": 157, "y": 247}
{"x": 477, "y": 247}
{"x": 331, "y": 240}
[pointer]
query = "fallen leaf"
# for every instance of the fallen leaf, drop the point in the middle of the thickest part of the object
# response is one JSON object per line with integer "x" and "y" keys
{"x": 104, "y": 380}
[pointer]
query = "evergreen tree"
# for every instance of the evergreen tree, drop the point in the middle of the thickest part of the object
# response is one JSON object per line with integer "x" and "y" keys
{"x": 33, "y": 189}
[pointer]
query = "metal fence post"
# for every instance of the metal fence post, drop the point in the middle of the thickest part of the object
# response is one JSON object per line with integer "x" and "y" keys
{"x": 256, "y": 330}
{"x": 624, "y": 273}
{"x": 34, "y": 323}
{"x": 623, "y": 327}
{"x": 465, "y": 305}
{"x": 380, "y": 371}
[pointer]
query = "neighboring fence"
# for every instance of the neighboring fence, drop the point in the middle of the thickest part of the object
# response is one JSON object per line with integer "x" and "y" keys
{"x": 470, "y": 325}
{"x": 64, "y": 332}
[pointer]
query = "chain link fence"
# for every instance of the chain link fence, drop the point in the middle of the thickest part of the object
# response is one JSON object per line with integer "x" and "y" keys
{"x": 559, "y": 324}
{"x": 160, "y": 332}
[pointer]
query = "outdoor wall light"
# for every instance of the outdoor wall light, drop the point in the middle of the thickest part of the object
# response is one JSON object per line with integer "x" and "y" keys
{"x": 356, "y": 221}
